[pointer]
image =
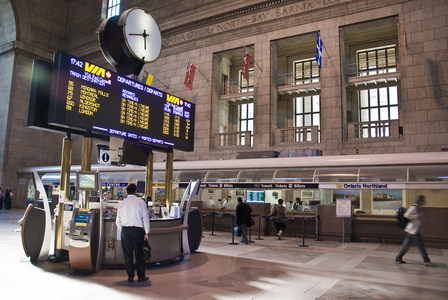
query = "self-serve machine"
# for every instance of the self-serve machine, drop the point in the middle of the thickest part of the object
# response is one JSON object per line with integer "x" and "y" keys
{"x": 86, "y": 227}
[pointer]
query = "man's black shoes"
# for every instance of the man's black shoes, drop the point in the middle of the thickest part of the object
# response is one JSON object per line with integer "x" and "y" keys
{"x": 143, "y": 279}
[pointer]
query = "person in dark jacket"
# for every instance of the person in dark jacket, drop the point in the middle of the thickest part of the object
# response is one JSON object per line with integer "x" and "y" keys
{"x": 8, "y": 195}
{"x": 243, "y": 213}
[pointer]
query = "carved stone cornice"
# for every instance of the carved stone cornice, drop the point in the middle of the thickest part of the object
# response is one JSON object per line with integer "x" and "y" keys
{"x": 224, "y": 16}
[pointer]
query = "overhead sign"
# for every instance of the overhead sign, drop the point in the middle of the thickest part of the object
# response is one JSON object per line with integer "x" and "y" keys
{"x": 363, "y": 186}
{"x": 255, "y": 185}
{"x": 89, "y": 97}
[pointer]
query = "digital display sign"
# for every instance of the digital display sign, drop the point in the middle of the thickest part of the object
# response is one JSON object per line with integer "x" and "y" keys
{"x": 87, "y": 181}
{"x": 255, "y": 196}
{"x": 93, "y": 98}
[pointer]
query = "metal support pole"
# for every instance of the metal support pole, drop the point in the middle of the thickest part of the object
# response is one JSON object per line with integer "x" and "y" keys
{"x": 213, "y": 223}
{"x": 65, "y": 187}
{"x": 86, "y": 164}
{"x": 259, "y": 228}
{"x": 149, "y": 174}
{"x": 233, "y": 236}
{"x": 343, "y": 231}
{"x": 169, "y": 179}
{"x": 303, "y": 233}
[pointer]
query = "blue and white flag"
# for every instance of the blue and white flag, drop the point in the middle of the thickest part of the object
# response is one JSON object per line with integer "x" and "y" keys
{"x": 319, "y": 50}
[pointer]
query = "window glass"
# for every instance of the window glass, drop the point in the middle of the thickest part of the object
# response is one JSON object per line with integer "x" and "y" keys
{"x": 299, "y": 105}
{"x": 243, "y": 111}
{"x": 373, "y": 97}
{"x": 308, "y": 120}
{"x": 316, "y": 104}
{"x": 391, "y": 60}
{"x": 250, "y": 110}
{"x": 364, "y": 115}
{"x": 383, "y": 96}
{"x": 374, "y": 114}
{"x": 393, "y": 95}
{"x": 384, "y": 113}
{"x": 362, "y": 61}
{"x": 377, "y": 61}
{"x": 316, "y": 119}
{"x": 299, "y": 120}
{"x": 246, "y": 122}
{"x": 113, "y": 8}
{"x": 364, "y": 98}
{"x": 307, "y": 104}
{"x": 394, "y": 112}
{"x": 381, "y": 58}
{"x": 250, "y": 125}
{"x": 306, "y": 71}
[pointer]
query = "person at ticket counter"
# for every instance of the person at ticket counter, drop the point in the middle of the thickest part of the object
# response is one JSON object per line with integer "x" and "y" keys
{"x": 226, "y": 203}
{"x": 107, "y": 196}
{"x": 133, "y": 222}
{"x": 296, "y": 204}
{"x": 243, "y": 211}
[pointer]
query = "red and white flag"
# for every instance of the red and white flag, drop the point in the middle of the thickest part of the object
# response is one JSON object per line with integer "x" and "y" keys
{"x": 191, "y": 69}
{"x": 246, "y": 64}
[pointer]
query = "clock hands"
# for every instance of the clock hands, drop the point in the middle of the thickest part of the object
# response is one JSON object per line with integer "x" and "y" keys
{"x": 144, "y": 35}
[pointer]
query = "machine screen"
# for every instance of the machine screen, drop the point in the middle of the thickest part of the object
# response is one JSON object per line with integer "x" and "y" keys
{"x": 82, "y": 218}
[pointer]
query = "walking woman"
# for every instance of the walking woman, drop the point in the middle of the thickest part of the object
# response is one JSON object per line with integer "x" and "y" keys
{"x": 278, "y": 212}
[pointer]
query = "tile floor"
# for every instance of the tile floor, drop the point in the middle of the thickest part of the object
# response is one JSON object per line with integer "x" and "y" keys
{"x": 264, "y": 269}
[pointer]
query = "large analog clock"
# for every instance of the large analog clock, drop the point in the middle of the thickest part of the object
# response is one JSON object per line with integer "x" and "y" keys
{"x": 130, "y": 40}
{"x": 141, "y": 34}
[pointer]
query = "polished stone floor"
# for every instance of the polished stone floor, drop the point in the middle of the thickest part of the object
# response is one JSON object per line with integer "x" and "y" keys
{"x": 265, "y": 269}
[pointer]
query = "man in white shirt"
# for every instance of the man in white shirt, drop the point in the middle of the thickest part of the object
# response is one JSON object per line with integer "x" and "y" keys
{"x": 415, "y": 216}
{"x": 133, "y": 221}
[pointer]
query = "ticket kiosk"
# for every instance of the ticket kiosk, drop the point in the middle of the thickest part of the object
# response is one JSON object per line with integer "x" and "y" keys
{"x": 86, "y": 227}
{"x": 84, "y": 239}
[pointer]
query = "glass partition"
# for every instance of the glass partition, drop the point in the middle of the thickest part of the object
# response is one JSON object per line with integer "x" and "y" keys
{"x": 186, "y": 176}
{"x": 256, "y": 175}
{"x": 222, "y": 176}
{"x": 383, "y": 174}
{"x": 428, "y": 173}
{"x": 337, "y": 175}
{"x": 295, "y": 175}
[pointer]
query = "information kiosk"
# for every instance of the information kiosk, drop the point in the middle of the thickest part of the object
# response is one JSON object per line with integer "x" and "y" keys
{"x": 85, "y": 246}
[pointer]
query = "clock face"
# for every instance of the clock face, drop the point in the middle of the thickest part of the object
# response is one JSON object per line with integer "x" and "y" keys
{"x": 142, "y": 34}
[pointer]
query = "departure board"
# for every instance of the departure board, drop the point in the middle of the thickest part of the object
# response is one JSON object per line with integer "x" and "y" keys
{"x": 89, "y": 97}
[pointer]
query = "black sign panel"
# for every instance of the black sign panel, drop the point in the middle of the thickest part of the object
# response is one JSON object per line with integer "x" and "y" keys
{"x": 89, "y": 97}
{"x": 267, "y": 186}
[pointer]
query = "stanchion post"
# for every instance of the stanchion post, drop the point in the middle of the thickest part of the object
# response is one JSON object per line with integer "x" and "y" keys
{"x": 233, "y": 236}
{"x": 213, "y": 223}
{"x": 259, "y": 228}
{"x": 318, "y": 228}
{"x": 250, "y": 235}
{"x": 303, "y": 233}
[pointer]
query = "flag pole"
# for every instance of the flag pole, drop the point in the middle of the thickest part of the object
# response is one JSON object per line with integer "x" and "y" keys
{"x": 167, "y": 87}
{"x": 258, "y": 66}
{"x": 325, "y": 48}
{"x": 201, "y": 73}
{"x": 256, "y": 63}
